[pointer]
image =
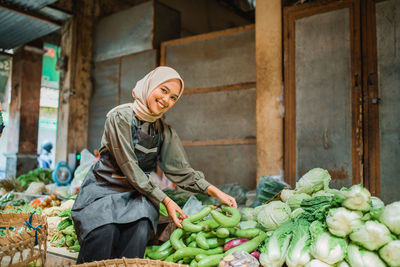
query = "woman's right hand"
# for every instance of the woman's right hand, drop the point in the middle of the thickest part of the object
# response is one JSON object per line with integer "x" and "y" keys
{"x": 172, "y": 209}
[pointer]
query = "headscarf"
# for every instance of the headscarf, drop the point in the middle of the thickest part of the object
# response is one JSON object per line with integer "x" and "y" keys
{"x": 145, "y": 87}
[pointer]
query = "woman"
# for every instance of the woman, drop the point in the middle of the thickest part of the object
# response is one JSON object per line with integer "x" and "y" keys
{"x": 117, "y": 206}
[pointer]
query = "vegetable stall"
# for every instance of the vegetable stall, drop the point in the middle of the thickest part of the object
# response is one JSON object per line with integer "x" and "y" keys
{"x": 311, "y": 225}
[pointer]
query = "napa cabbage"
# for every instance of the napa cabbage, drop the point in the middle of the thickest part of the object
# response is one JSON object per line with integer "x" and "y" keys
{"x": 285, "y": 194}
{"x": 324, "y": 246}
{"x": 391, "y": 217}
{"x": 357, "y": 198}
{"x": 359, "y": 257}
{"x": 296, "y": 212}
{"x": 295, "y": 200}
{"x": 273, "y": 214}
{"x": 372, "y": 235}
{"x": 299, "y": 249}
{"x": 377, "y": 207}
{"x": 314, "y": 180}
{"x": 341, "y": 221}
{"x": 390, "y": 253}
{"x": 247, "y": 214}
{"x": 275, "y": 247}
{"x": 317, "y": 263}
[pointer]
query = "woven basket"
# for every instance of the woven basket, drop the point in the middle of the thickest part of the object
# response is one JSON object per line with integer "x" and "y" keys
{"x": 18, "y": 244}
{"x": 124, "y": 262}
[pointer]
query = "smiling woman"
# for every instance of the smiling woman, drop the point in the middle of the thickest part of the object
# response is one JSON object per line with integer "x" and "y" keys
{"x": 164, "y": 96}
{"x": 118, "y": 203}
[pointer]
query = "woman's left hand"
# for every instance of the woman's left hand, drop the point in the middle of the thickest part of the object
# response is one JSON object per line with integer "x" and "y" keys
{"x": 221, "y": 196}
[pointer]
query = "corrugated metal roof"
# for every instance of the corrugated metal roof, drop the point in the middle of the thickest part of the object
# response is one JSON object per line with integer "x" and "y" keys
{"x": 17, "y": 29}
{"x": 22, "y": 21}
{"x": 31, "y": 5}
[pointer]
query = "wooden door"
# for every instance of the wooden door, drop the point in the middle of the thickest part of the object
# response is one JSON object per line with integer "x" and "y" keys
{"x": 323, "y": 104}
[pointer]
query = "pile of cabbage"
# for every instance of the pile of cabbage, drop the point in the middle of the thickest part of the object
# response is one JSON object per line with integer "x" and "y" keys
{"x": 316, "y": 226}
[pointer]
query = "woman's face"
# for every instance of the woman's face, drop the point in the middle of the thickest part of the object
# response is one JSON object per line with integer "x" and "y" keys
{"x": 164, "y": 96}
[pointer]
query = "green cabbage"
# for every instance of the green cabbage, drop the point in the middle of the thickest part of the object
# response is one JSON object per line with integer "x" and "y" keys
{"x": 324, "y": 246}
{"x": 341, "y": 222}
{"x": 275, "y": 247}
{"x": 357, "y": 198}
{"x": 273, "y": 214}
{"x": 359, "y": 257}
{"x": 295, "y": 200}
{"x": 390, "y": 253}
{"x": 299, "y": 249}
{"x": 372, "y": 235}
{"x": 391, "y": 217}
{"x": 314, "y": 180}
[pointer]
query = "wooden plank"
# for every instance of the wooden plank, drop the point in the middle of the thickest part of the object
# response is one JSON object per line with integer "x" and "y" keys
{"x": 290, "y": 99}
{"x": 200, "y": 37}
{"x": 356, "y": 93}
{"x": 209, "y": 35}
{"x": 370, "y": 90}
{"x": 220, "y": 142}
{"x": 220, "y": 88}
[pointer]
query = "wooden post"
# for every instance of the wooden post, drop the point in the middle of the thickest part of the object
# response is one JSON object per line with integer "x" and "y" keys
{"x": 24, "y": 110}
{"x": 76, "y": 86}
{"x": 269, "y": 107}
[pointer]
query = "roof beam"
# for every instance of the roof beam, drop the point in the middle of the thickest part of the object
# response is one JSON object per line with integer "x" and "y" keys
{"x": 29, "y": 14}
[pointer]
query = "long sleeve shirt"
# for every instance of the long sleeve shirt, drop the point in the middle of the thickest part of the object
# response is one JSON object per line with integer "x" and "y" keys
{"x": 117, "y": 139}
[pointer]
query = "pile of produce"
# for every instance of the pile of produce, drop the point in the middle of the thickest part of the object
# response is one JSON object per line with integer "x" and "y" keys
{"x": 7, "y": 202}
{"x": 65, "y": 235}
{"x": 45, "y": 202}
{"x": 36, "y": 175}
{"x": 61, "y": 230}
{"x": 311, "y": 225}
{"x": 22, "y": 182}
{"x": 316, "y": 226}
{"x": 206, "y": 240}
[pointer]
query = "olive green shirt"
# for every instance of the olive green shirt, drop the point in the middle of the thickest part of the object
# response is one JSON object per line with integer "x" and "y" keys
{"x": 117, "y": 139}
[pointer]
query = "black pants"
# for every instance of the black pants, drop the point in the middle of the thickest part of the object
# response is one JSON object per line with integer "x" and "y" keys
{"x": 113, "y": 241}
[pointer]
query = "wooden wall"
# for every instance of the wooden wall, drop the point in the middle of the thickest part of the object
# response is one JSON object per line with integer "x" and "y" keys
{"x": 216, "y": 116}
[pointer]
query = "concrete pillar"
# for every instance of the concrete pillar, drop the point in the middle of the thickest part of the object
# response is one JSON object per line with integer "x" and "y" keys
{"x": 24, "y": 110}
{"x": 269, "y": 107}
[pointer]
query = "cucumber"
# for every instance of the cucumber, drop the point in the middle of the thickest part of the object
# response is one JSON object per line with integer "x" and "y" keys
{"x": 176, "y": 240}
{"x": 209, "y": 261}
{"x": 247, "y": 233}
{"x": 250, "y": 245}
{"x": 222, "y": 232}
{"x": 224, "y": 220}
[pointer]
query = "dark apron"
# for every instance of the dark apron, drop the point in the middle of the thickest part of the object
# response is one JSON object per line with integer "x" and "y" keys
{"x": 106, "y": 196}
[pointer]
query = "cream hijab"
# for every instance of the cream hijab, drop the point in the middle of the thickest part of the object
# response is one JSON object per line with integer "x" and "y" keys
{"x": 145, "y": 87}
